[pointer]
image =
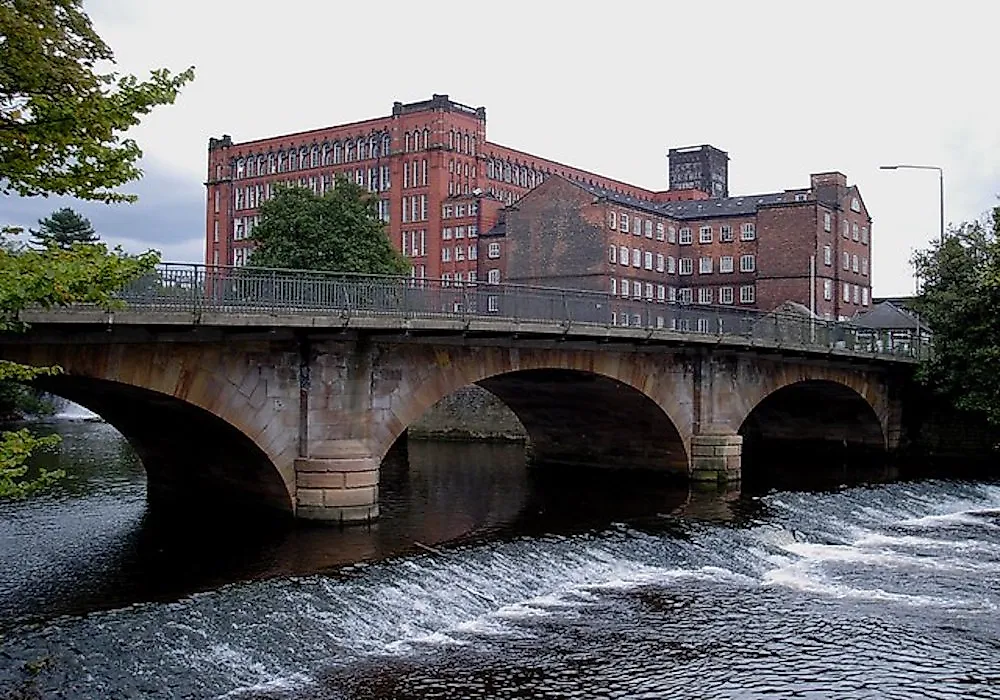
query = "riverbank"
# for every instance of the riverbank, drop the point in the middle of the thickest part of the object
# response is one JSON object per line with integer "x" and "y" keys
{"x": 471, "y": 413}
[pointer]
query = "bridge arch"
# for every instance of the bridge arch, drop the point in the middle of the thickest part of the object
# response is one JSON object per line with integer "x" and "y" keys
{"x": 199, "y": 420}
{"x": 820, "y": 418}
{"x": 577, "y": 407}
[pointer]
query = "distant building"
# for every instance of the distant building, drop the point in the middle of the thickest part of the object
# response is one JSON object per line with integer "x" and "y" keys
{"x": 429, "y": 163}
{"x": 756, "y": 251}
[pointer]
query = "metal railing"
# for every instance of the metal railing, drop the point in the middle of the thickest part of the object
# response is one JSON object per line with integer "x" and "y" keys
{"x": 200, "y": 288}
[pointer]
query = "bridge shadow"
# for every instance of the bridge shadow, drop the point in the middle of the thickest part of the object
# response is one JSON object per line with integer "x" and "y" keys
{"x": 812, "y": 432}
{"x": 192, "y": 458}
{"x": 575, "y": 418}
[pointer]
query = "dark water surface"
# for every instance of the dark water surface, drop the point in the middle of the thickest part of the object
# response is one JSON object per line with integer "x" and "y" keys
{"x": 548, "y": 584}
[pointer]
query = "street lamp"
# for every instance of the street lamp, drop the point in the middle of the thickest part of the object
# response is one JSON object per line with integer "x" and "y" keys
{"x": 940, "y": 172}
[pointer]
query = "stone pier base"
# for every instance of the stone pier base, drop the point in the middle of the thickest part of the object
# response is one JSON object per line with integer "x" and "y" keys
{"x": 342, "y": 488}
{"x": 716, "y": 458}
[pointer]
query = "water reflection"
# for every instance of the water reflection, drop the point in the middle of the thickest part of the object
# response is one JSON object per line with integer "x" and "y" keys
{"x": 93, "y": 542}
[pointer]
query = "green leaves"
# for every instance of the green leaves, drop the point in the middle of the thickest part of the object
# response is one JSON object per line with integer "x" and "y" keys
{"x": 960, "y": 301}
{"x": 61, "y": 124}
{"x": 15, "y": 448}
{"x": 84, "y": 273}
{"x": 339, "y": 231}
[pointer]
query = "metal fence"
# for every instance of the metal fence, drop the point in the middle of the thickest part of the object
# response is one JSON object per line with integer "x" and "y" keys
{"x": 201, "y": 288}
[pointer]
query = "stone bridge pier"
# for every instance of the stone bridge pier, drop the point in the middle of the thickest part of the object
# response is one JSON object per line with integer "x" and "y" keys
{"x": 299, "y": 421}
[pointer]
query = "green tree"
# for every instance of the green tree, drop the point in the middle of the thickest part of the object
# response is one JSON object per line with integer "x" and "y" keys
{"x": 53, "y": 277}
{"x": 64, "y": 228}
{"x": 339, "y": 231}
{"x": 62, "y": 123}
{"x": 960, "y": 301}
{"x": 62, "y": 131}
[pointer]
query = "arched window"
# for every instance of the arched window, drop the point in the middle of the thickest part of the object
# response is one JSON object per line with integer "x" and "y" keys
{"x": 261, "y": 165}
{"x": 465, "y": 142}
{"x": 338, "y": 153}
{"x": 406, "y": 142}
{"x": 506, "y": 172}
{"x": 372, "y": 145}
{"x": 270, "y": 163}
{"x": 386, "y": 145}
{"x": 348, "y": 151}
{"x": 489, "y": 168}
{"x": 427, "y": 138}
{"x": 241, "y": 166}
{"x": 473, "y": 145}
{"x": 361, "y": 149}
{"x": 326, "y": 154}
{"x": 451, "y": 139}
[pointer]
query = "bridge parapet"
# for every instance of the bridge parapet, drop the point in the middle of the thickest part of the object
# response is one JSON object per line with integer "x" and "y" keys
{"x": 331, "y": 299}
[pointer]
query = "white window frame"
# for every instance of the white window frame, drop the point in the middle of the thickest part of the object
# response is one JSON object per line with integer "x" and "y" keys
{"x": 705, "y": 234}
{"x": 684, "y": 236}
{"x": 726, "y": 264}
{"x": 726, "y": 295}
{"x": 705, "y": 265}
{"x": 748, "y": 263}
{"x": 685, "y": 266}
{"x": 726, "y": 233}
{"x": 748, "y": 294}
{"x": 493, "y": 251}
{"x": 748, "y": 231}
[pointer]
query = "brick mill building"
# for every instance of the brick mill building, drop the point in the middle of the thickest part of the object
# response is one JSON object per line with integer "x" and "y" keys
{"x": 754, "y": 251}
{"x": 455, "y": 204}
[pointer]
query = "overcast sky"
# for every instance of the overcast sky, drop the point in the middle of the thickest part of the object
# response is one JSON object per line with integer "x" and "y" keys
{"x": 787, "y": 88}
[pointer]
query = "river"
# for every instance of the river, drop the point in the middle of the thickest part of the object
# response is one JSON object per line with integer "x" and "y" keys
{"x": 525, "y": 584}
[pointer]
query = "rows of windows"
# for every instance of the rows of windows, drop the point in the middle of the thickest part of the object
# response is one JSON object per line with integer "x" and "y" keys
{"x": 315, "y": 156}
{"x": 514, "y": 173}
{"x": 456, "y": 279}
{"x": 639, "y": 226}
{"x": 640, "y": 289}
{"x": 649, "y": 260}
{"x": 459, "y": 210}
{"x": 252, "y": 196}
{"x": 459, "y": 254}
{"x": 458, "y": 232}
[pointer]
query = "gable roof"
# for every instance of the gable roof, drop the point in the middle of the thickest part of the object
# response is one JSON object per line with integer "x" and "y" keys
{"x": 888, "y": 316}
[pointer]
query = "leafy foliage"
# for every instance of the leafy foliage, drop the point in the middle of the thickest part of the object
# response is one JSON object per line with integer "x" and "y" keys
{"x": 62, "y": 123}
{"x": 64, "y": 228}
{"x": 85, "y": 273}
{"x": 960, "y": 301}
{"x": 339, "y": 231}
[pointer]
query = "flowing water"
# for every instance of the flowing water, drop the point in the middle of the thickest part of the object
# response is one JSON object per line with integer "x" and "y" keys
{"x": 524, "y": 584}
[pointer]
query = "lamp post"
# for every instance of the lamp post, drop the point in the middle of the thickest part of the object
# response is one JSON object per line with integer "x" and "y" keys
{"x": 940, "y": 172}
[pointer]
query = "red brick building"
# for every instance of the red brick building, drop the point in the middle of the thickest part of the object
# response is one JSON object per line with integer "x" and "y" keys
{"x": 754, "y": 251}
{"x": 442, "y": 186}
{"x": 438, "y": 179}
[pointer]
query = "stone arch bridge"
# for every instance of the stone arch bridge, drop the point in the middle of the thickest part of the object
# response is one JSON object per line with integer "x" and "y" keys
{"x": 296, "y": 411}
